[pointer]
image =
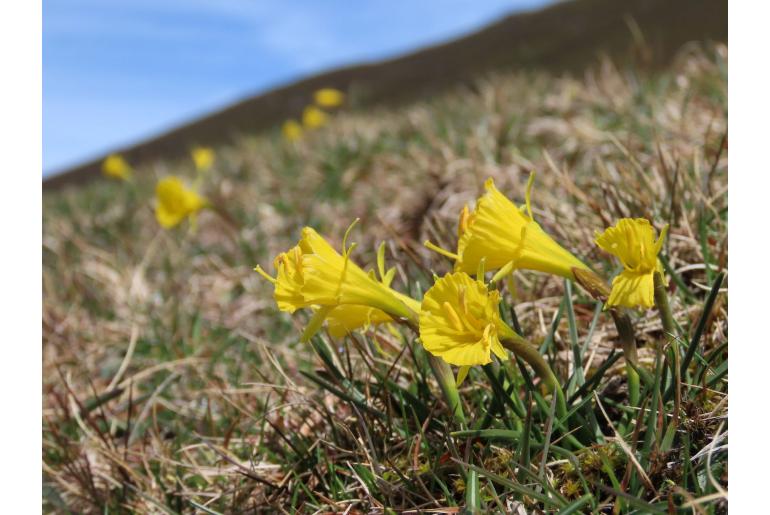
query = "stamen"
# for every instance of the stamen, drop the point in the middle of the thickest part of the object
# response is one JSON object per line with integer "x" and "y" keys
{"x": 462, "y": 302}
{"x": 436, "y": 248}
{"x": 452, "y": 315}
{"x": 264, "y": 274}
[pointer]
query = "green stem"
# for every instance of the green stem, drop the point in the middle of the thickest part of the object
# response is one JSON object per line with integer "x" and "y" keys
{"x": 528, "y": 352}
{"x": 669, "y": 329}
{"x": 441, "y": 371}
{"x": 446, "y": 380}
{"x": 600, "y": 290}
{"x": 661, "y": 302}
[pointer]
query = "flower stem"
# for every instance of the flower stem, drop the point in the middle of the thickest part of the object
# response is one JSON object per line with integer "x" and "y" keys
{"x": 669, "y": 328}
{"x": 600, "y": 290}
{"x": 441, "y": 370}
{"x": 446, "y": 380}
{"x": 528, "y": 352}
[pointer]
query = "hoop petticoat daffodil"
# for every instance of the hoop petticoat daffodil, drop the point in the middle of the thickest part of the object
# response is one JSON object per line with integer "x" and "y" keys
{"x": 507, "y": 238}
{"x": 313, "y": 275}
{"x": 116, "y": 167}
{"x": 460, "y": 322}
{"x": 203, "y": 157}
{"x": 632, "y": 241}
{"x": 312, "y": 117}
{"x": 291, "y": 130}
{"x": 175, "y": 202}
{"x": 329, "y": 97}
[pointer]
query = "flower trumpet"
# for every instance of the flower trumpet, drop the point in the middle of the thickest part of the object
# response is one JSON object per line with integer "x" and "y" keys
{"x": 507, "y": 238}
{"x": 633, "y": 242}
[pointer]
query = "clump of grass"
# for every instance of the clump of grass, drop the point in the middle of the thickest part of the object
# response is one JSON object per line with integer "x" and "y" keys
{"x": 172, "y": 384}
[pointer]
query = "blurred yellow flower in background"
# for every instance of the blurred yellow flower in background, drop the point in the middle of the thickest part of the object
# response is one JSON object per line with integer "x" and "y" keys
{"x": 460, "y": 322}
{"x": 632, "y": 241}
{"x": 203, "y": 158}
{"x": 175, "y": 202}
{"x": 507, "y": 238}
{"x": 116, "y": 167}
{"x": 329, "y": 97}
{"x": 312, "y": 117}
{"x": 291, "y": 130}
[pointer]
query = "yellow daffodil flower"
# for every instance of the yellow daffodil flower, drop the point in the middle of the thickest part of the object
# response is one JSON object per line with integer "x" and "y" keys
{"x": 291, "y": 130}
{"x": 313, "y": 274}
{"x": 347, "y": 318}
{"x": 116, "y": 167}
{"x": 632, "y": 241}
{"x": 507, "y": 238}
{"x": 175, "y": 202}
{"x": 203, "y": 158}
{"x": 312, "y": 117}
{"x": 329, "y": 97}
{"x": 460, "y": 322}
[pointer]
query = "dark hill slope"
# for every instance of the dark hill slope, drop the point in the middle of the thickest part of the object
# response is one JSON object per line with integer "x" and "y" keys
{"x": 562, "y": 38}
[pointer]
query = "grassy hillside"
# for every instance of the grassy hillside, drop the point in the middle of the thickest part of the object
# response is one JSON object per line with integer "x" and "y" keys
{"x": 564, "y": 37}
{"x": 173, "y": 385}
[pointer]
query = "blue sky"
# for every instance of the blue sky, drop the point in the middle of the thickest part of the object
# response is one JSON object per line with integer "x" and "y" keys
{"x": 118, "y": 71}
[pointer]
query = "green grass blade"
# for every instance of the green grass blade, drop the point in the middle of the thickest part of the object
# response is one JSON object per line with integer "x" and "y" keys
{"x": 707, "y": 307}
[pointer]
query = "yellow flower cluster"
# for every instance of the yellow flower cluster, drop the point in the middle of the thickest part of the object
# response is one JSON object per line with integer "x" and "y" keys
{"x": 458, "y": 319}
{"x": 313, "y": 115}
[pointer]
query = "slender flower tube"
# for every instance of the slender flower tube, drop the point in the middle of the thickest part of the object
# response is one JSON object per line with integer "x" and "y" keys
{"x": 507, "y": 238}
{"x": 312, "y": 117}
{"x": 175, "y": 202}
{"x": 203, "y": 157}
{"x": 329, "y": 97}
{"x": 291, "y": 130}
{"x": 632, "y": 241}
{"x": 116, "y": 167}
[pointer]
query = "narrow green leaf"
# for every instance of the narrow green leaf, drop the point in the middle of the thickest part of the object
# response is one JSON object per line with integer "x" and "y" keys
{"x": 519, "y": 489}
{"x": 707, "y": 307}
{"x": 576, "y": 505}
{"x": 472, "y": 498}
